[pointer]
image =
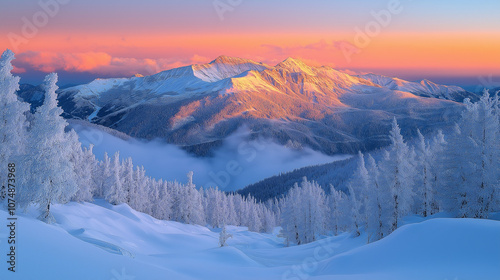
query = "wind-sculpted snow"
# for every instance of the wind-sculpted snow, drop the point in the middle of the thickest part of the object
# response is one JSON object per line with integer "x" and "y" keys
{"x": 89, "y": 241}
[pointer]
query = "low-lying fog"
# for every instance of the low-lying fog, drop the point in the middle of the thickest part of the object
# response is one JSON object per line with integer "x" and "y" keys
{"x": 235, "y": 165}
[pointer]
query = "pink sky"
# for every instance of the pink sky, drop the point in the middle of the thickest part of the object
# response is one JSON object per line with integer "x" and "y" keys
{"x": 121, "y": 38}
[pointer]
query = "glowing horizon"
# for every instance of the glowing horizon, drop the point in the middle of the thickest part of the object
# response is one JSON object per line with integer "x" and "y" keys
{"x": 121, "y": 38}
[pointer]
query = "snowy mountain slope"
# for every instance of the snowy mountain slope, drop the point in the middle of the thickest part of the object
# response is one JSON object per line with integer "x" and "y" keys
{"x": 435, "y": 249}
{"x": 100, "y": 241}
{"x": 424, "y": 88}
{"x": 319, "y": 107}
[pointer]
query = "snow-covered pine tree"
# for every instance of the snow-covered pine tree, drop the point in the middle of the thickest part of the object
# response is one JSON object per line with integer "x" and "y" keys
{"x": 379, "y": 197}
{"x": 102, "y": 173}
{"x": 231, "y": 211}
{"x": 12, "y": 116}
{"x": 337, "y": 213}
{"x": 155, "y": 200}
{"x": 361, "y": 183}
{"x": 290, "y": 208}
{"x": 215, "y": 207}
{"x": 127, "y": 176}
{"x": 114, "y": 192}
{"x": 437, "y": 146}
{"x": 138, "y": 193}
{"x": 269, "y": 220}
{"x": 191, "y": 205}
{"x": 49, "y": 173}
{"x": 472, "y": 160}
{"x": 457, "y": 174}
{"x": 304, "y": 213}
{"x": 85, "y": 164}
{"x": 488, "y": 144}
{"x": 357, "y": 219}
{"x": 255, "y": 221}
{"x": 424, "y": 192}
{"x": 224, "y": 236}
{"x": 399, "y": 175}
{"x": 479, "y": 128}
{"x": 166, "y": 200}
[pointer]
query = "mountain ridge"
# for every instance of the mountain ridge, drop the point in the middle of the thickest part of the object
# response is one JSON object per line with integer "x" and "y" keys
{"x": 319, "y": 107}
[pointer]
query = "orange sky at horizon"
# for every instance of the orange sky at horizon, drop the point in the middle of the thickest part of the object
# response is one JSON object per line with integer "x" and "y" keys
{"x": 459, "y": 54}
{"x": 83, "y": 40}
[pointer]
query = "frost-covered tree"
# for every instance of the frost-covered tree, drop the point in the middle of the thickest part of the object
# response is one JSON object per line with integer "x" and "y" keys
{"x": 12, "y": 116}
{"x": 357, "y": 218}
{"x": 423, "y": 179}
{"x": 361, "y": 182}
{"x": 190, "y": 203}
{"x": 128, "y": 182}
{"x": 427, "y": 168}
{"x": 224, "y": 236}
{"x": 304, "y": 213}
{"x": 231, "y": 211}
{"x": 214, "y": 207}
{"x": 102, "y": 175}
{"x": 255, "y": 221}
{"x": 290, "y": 217}
{"x": 339, "y": 210}
{"x": 268, "y": 219}
{"x": 138, "y": 192}
{"x": 49, "y": 175}
{"x": 399, "y": 175}
{"x": 114, "y": 191}
{"x": 379, "y": 197}
{"x": 471, "y": 160}
{"x": 85, "y": 164}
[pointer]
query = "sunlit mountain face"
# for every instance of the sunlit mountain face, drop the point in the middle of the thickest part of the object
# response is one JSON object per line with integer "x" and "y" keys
{"x": 292, "y": 103}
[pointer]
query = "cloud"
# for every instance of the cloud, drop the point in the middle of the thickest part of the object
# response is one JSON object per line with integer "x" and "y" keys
{"x": 235, "y": 165}
{"x": 100, "y": 63}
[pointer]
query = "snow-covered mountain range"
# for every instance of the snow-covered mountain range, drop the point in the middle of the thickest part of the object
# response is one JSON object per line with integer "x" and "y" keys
{"x": 292, "y": 103}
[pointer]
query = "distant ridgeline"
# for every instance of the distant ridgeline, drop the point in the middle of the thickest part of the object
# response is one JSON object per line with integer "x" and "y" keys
{"x": 198, "y": 106}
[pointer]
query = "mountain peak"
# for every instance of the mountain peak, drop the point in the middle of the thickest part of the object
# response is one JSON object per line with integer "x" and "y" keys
{"x": 295, "y": 65}
{"x": 224, "y": 59}
{"x": 292, "y": 61}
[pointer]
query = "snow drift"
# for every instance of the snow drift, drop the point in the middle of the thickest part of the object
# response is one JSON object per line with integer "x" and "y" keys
{"x": 100, "y": 241}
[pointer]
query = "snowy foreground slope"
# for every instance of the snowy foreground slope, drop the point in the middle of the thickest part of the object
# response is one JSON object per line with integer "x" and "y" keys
{"x": 100, "y": 241}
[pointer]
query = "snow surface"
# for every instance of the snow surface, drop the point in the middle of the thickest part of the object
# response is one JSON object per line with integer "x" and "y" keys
{"x": 101, "y": 241}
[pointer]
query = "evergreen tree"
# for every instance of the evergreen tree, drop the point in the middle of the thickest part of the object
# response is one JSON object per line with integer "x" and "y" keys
{"x": 304, "y": 213}
{"x": 379, "y": 197}
{"x": 399, "y": 175}
{"x": 49, "y": 173}
{"x": 12, "y": 116}
{"x": 224, "y": 236}
{"x": 114, "y": 191}
{"x": 472, "y": 162}
{"x": 85, "y": 164}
